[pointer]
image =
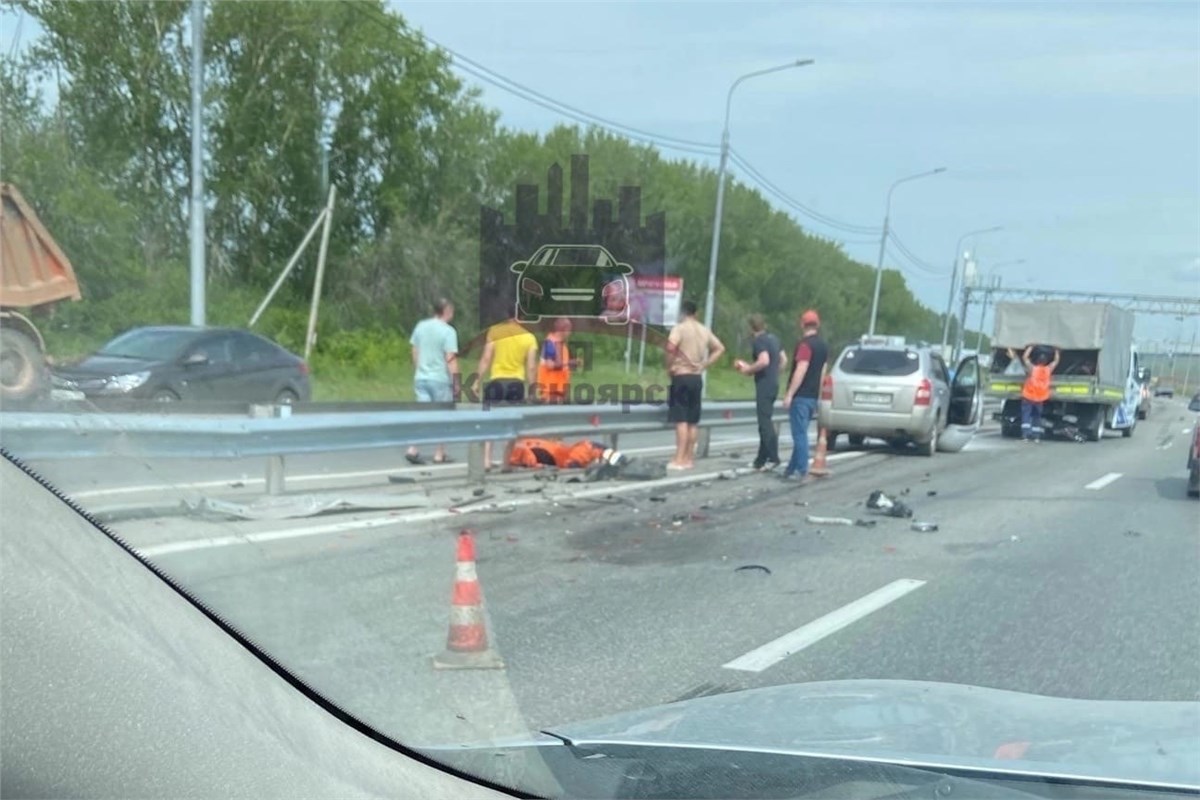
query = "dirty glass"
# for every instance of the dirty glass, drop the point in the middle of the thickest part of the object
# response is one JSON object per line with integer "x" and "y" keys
{"x": 557, "y": 523}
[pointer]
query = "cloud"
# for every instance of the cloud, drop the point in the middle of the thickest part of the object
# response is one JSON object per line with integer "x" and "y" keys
{"x": 1189, "y": 272}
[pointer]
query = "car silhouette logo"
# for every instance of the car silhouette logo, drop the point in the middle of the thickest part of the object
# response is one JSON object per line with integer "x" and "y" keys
{"x": 580, "y": 281}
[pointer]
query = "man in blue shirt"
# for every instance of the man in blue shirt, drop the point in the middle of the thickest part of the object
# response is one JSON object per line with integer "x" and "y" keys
{"x": 435, "y": 359}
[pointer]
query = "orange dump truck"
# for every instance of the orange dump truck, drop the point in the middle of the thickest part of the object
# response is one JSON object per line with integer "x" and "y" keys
{"x": 35, "y": 275}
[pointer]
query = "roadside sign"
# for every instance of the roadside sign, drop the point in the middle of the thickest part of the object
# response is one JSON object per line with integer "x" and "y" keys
{"x": 656, "y": 299}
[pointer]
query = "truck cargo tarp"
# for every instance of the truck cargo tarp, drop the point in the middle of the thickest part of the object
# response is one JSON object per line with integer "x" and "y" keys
{"x": 1070, "y": 326}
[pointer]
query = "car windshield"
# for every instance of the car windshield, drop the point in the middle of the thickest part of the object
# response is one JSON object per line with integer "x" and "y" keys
{"x": 861, "y": 361}
{"x": 148, "y": 345}
{"x": 504, "y": 367}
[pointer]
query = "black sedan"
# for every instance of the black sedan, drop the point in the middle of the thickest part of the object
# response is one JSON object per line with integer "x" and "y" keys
{"x": 182, "y": 363}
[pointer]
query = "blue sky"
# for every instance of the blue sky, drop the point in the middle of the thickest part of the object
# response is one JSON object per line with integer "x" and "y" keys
{"x": 1074, "y": 125}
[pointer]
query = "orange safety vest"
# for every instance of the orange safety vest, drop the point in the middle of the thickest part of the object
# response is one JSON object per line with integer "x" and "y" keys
{"x": 553, "y": 382}
{"x": 1037, "y": 385}
{"x": 538, "y": 453}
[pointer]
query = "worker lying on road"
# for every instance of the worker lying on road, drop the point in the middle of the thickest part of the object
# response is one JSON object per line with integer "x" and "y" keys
{"x": 1036, "y": 390}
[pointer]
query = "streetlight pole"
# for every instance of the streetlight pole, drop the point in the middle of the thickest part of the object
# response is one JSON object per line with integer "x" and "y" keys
{"x": 887, "y": 214}
{"x": 710, "y": 295}
{"x": 196, "y": 267}
{"x": 954, "y": 280}
{"x": 987, "y": 297}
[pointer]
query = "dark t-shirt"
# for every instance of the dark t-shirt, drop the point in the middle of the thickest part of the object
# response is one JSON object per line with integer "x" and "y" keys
{"x": 766, "y": 380}
{"x": 813, "y": 350}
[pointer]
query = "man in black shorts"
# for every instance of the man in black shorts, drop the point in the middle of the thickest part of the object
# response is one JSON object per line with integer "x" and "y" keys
{"x": 691, "y": 349}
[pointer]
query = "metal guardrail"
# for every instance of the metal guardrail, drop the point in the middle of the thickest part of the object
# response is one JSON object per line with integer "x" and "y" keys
{"x": 275, "y": 432}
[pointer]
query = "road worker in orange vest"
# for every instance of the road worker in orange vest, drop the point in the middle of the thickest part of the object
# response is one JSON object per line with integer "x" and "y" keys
{"x": 1036, "y": 390}
{"x": 554, "y": 370}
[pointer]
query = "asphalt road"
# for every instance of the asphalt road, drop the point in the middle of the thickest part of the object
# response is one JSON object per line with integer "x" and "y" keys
{"x": 1060, "y": 569}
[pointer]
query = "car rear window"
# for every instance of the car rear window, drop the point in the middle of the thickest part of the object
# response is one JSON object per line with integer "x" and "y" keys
{"x": 859, "y": 361}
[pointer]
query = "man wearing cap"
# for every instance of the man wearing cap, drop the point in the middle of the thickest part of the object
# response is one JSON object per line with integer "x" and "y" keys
{"x": 803, "y": 391}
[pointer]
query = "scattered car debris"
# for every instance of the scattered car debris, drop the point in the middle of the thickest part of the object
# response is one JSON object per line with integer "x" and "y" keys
{"x": 478, "y": 493}
{"x": 924, "y": 527}
{"x": 1133, "y": 534}
{"x": 1014, "y": 538}
{"x": 658, "y": 498}
{"x": 237, "y": 485}
{"x": 752, "y": 569}
{"x": 477, "y": 499}
{"x": 801, "y": 503}
{"x": 931, "y": 493}
{"x": 308, "y": 505}
{"x": 844, "y": 521}
{"x": 878, "y": 501}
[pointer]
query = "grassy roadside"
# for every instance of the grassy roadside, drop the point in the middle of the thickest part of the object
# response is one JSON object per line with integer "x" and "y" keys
{"x": 393, "y": 383}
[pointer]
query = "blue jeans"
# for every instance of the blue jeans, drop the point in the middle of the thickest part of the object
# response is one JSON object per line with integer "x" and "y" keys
{"x": 799, "y": 415}
{"x": 1031, "y": 419}
{"x": 433, "y": 391}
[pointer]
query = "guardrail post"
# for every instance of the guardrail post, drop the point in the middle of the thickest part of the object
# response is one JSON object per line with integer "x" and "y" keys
{"x": 476, "y": 468}
{"x": 703, "y": 437}
{"x": 275, "y": 466}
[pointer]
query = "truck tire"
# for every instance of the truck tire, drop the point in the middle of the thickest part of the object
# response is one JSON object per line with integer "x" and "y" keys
{"x": 1095, "y": 431}
{"x": 1193, "y": 485}
{"x": 22, "y": 367}
{"x": 1128, "y": 432}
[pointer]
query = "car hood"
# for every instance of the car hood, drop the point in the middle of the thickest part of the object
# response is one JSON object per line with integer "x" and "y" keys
{"x": 101, "y": 366}
{"x": 927, "y": 725}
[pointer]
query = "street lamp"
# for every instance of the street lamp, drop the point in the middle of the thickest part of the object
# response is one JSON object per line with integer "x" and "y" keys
{"x": 954, "y": 279}
{"x": 987, "y": 296}
{"x": 716, "y": 236}
{"x": 887, "y": 213}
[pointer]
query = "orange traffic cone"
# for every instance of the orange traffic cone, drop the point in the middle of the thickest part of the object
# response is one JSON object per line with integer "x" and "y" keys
{"x": 819, "y": 467}
{"x": 467, "y": 642}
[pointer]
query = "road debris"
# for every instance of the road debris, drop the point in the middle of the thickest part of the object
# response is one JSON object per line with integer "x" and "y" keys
{"x": 1132, "y": 534}
{"x": 878, "y": 501}
{"x": 924, "y": 527}
{"x": 658, "y": 498}
{"x": 931, "y": 493}
{"x": 307, "y": 505}
{"x": 401, "y": 479}
{"x": 752, "y": 569}
{"x": 844, "y": 521}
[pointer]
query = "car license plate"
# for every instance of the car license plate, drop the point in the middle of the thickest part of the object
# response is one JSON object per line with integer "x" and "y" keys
{"x": 873, "y": 398}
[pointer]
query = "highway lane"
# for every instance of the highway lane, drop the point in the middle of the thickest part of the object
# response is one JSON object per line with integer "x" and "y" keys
{"x": 1033, "y": 582}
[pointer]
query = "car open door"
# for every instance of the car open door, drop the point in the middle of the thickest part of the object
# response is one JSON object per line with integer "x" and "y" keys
{"x": 965, "y": 414}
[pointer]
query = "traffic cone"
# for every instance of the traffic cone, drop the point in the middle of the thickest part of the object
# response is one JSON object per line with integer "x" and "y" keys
{"x": 819, "y": 467}
{"x": 467, "y": 642}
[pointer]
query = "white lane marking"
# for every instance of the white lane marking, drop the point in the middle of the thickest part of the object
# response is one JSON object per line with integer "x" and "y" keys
{"x": 775, "y": 651}
{"x": 318, "y": 476}
{"x": 1103, "y": 481}
{"x": 428, "y": 516}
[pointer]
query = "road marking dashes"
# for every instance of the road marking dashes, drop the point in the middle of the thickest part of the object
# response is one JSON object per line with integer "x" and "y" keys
{"x": 1103, "y": 481}
{"x": 775, "y": 651}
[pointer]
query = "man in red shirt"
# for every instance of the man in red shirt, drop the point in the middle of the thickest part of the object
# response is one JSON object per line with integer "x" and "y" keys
{"x": 803, "y": 391}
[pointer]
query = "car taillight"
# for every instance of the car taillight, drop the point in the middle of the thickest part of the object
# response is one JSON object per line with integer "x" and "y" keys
{"x": 924, "y": 393}
{"x": 530, "y": 286}
{"x": 303, "y": 367}
{"x": 827, "y": 388}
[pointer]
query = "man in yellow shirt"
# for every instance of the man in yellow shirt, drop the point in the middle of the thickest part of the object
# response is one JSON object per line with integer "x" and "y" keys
{"x": 510, "y": 362}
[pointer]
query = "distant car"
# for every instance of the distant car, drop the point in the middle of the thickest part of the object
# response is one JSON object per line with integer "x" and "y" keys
{"x": 572, "y": 281}
{"x": 1194, "y": 404}
{"x": 902, "y": 394}
{"x": 1164, "y": 391}
{"x": 185, "y": 363}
